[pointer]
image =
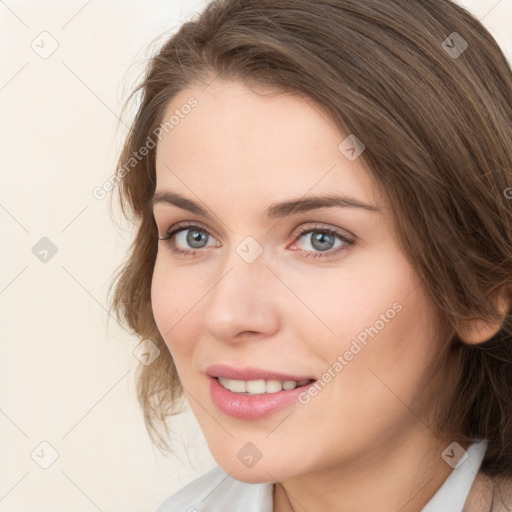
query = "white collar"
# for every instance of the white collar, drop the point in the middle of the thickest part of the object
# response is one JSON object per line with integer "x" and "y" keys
{"x": 455, "y": 489}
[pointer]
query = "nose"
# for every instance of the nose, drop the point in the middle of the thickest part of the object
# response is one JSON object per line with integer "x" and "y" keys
{"x": 243, "y": 302}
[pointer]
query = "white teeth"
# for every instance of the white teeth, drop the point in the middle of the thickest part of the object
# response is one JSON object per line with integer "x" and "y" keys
{"x": 289, "y": 384}
{"x": 255, "y": 387}
{"x": 258, "y": 387}
{"x": 238, "y": 386}
{"x": 273, "y": 386}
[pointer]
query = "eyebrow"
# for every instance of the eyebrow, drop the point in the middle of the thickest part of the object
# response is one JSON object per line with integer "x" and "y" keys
{"x": 274, "y": 211}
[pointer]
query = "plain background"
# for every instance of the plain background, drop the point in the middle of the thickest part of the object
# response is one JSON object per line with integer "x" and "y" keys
{"x": 66, "y": 378}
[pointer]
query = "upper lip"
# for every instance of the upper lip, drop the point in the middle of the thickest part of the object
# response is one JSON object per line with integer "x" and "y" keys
{"x": 251, "y": 373}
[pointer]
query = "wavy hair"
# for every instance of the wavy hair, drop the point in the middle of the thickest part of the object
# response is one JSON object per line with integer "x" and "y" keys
{"x": 427, "y": 89}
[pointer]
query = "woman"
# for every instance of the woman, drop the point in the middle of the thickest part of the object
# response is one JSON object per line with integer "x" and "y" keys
{"x": 323, "y": 257}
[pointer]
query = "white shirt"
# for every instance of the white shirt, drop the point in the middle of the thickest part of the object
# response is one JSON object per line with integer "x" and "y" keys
{"x": 215, "y": 491}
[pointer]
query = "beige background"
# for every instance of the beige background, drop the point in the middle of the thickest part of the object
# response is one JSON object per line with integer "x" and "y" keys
{"x": 65, "y": 378}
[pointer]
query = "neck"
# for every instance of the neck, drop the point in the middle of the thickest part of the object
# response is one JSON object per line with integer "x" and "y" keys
{"x": 403, "y": 477}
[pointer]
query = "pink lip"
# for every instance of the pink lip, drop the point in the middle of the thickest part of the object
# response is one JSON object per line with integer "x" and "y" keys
{"x": 250, "y": 373}
{"x": 251, "y": 407}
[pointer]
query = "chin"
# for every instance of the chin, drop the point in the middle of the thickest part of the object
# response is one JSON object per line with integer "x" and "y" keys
{"x": 263, "y": 471}
{"x": 252, "y": 475}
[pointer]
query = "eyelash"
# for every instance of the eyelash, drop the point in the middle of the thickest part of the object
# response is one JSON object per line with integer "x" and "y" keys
{"x": 183, "y": 226}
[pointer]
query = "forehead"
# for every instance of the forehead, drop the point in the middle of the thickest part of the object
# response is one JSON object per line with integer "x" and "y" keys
{"x": 254, "y": 143}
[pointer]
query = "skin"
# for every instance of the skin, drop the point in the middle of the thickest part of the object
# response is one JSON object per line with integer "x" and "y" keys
{"x": 362, "y": 440}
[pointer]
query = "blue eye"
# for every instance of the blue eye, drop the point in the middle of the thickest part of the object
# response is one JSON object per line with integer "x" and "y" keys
{"x": 197, "y": 238}
{"x": 324, "y": 240}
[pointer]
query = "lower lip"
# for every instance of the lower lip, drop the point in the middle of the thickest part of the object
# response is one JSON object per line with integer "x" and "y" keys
{"x": 252, "y": 407}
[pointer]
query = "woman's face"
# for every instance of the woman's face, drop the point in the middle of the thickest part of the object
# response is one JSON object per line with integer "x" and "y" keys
{"x": 262, "y": 289}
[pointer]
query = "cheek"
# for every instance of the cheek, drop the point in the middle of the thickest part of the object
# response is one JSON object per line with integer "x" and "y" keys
{"x": 161, "y": 300}
{"x": 172, "y": 302}
{"x": 397, "y": 350}
{"x": 364, "y": 300}
{"x": 383, "y": 322}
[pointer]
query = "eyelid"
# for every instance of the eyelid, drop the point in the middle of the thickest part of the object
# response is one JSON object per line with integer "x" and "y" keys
{"x": 319, "y": 226}
{"x": 179, "y": 226}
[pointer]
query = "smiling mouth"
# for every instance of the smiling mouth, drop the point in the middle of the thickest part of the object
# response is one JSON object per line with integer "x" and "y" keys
{"x": 261, "y": 386}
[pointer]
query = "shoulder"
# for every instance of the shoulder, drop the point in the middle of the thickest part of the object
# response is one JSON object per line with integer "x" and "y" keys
{"x": 216, "y": 491}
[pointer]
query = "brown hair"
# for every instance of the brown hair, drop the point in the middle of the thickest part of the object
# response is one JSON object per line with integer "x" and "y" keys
{"x": 437, "y": 126}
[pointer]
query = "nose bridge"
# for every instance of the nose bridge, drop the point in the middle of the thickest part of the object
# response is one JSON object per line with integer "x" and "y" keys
{"x": 242, "y": 298}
